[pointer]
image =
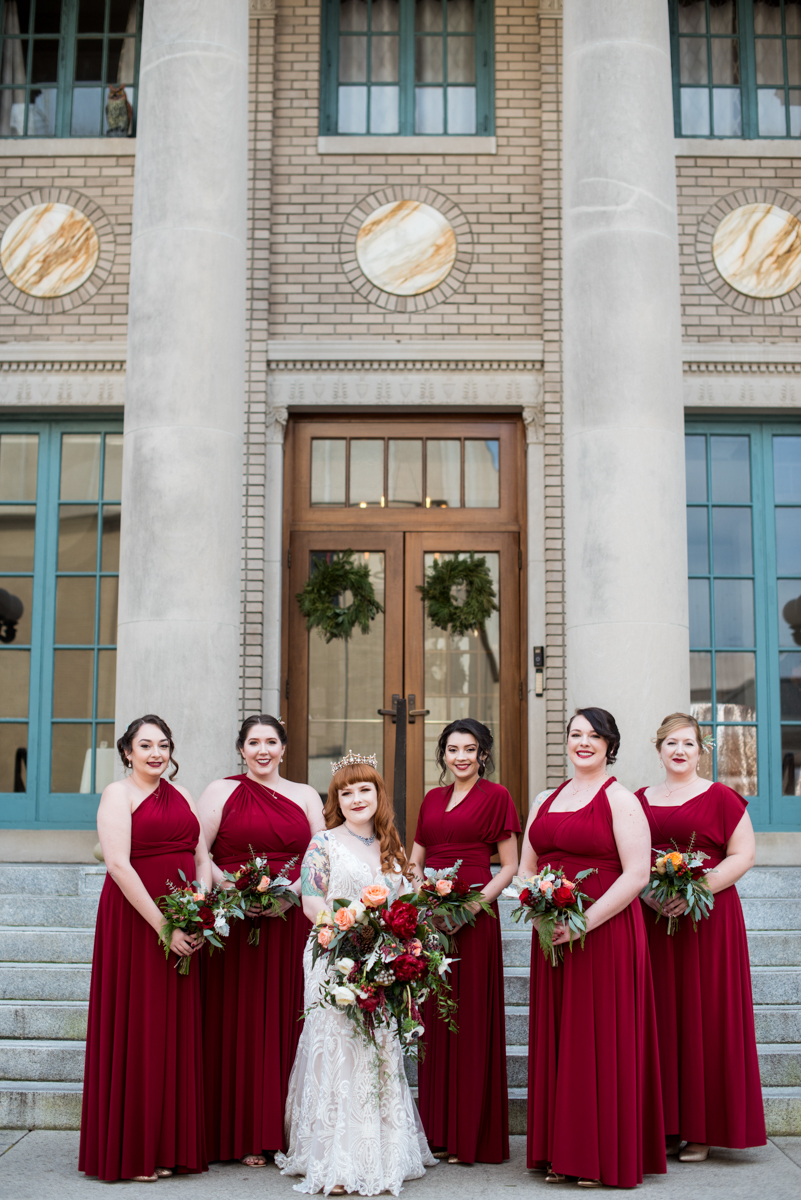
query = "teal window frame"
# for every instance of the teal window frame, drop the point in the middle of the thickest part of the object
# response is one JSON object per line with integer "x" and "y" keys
{"x": 748, "y": 87}
{"x": 66, "y": 83}
{"x": 769, "y": 809}
{"x": 38, "y": 807}
{"x": 484, "y": 73}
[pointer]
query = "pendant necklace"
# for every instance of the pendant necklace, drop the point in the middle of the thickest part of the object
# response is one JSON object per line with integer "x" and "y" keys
{"x": 683, "y": 785}
{"x": 367, "y": 841}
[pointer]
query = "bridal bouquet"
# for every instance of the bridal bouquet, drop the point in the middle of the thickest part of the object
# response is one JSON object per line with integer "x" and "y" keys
{"x": 442, "y": 893}
{"x": 196, "y": 912}
{"x": 383, "y": 961}
{"x": 255, "y": 887}
{"x": 550, "y": 899}
{"x": 676, "y": 874}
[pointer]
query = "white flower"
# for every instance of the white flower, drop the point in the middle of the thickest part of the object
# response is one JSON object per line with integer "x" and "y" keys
{"x": 445, "y": 965}
{"x": 511, "y": 893}
{"x": 359, "y": 911}
{"x": 345, "y": 965}
{"x": 344, "y": 996}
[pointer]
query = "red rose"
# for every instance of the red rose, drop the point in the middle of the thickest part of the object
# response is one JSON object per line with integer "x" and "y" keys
{"x": 407, "y": 967}
{"x": 563, "y": 896}
{"x": 206, "y": 917}
{"x": 460, "y": 887}
{"x": 401, "y": 919}
{"x": 525, "y": 895}
{"x": 243, "y": 882}
{"x": 369, "y": 1002}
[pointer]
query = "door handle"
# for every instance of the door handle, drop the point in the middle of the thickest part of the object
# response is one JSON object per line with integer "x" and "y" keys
{"x": 416, "y": 712}
{"x": 390, "y": 712}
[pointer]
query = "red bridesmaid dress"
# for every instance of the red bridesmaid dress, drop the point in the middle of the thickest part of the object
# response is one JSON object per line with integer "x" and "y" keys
{"x": 253, "y": 995}
{"x": 143, "y": 1081}
{"x": 462, "y": 1092}
{"x": 594, "y": 1098}
{"x": 711, "y": 1091}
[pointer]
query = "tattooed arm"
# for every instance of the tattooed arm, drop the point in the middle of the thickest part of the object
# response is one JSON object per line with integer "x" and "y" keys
{"x": 315, "y": 873}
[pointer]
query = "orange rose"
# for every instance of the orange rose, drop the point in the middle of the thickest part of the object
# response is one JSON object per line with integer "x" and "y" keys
{"x": 344, "y": 918}
{"x": 198, "y": 895}
{"x": 567, "y": 883}
{"x": 374, "y": 895}
{"x": 263, "y": 883}
{"x": 444, "y": 886}
{"x": 675, "y": 858}
{"x": 326, "y": 934}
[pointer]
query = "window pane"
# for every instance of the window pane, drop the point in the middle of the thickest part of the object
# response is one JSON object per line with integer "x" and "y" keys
{"x": 695, "y": 464}
{"x": 723, "y": 16}
{"x": 384, "y": 17}
{"x": 71, "y": 760}
{"x": 112, "y": 471}
{"x": 790, "y": 686}
{"x": 699, "y": 612}
{"x": 791, "y": 760}
{"x": 772, "y": 119}
{"x": 793, "y": 49}
{"x": 730, "y": 470}
{"x": 428, "y": 16}
{"x": 427, "y": 60}
{"x": 17, "y": 525}
{"x": 789, "y": 612}
{"x": 48, "y": 16}
{"x": 735, "y": 685}
{"x": 481, "y": 474}
{"x": 352, "y": 110}
{"x": 786, "y": 470}
{"x": 75, "y": 611}
{"x": 328, "y": 470}
{"x": 89, "y": 60}
{"x": 121, "y": 17}
{"x": 384, "y": 110}
{"x": 110, "y": 550}
{"x": 44, "y": 68}
{"x": 725, "y": 61}
{"x": 693, "y": 60}
{"x": 695, "y": 112}
{"x": 701, "y": 686}
{"x": 461, "y": 110}
{"x": 17, "y": 591}
{"x": 106, "y": 682}
{"x": 706, "y": 763}
{"x": 18, "y": 461}
{"x": 692, "y": 17}
{"x": 353, "y": 14}
{"x": 405, "y": 473}
{"x": 107, "y": 625}
{"x": 91, "y": 16}
{"x": 697, "y": 541}
{"x": 13, "y": 757}
{"x": 87, "y": 104}
{"x": 77, "y": 538}
{"x": 737, "y": 758}
{"x": 461, "y": 60}
{"x": 367, "y": 471}
{"x": 769, "y": 63}
{"x": 73, "y": 683}
{"x": 726, "y": 110}
{"x": 788, "y": 541}
{"x": 460, "y": 15}
{"x": 384, "y": 60}
{"x": 767, "y": 16}
{"x": 352, "y": 59}
{"x": 731, "y": 541}
{"x": 42, "y": 113}
{"x": 734, "y": 612}
{"x": 15, "y": 673}
{"x": 105, "y": 757}
{"x": 792, "y": 16}
{"x": 443, "y": 473}
{"x": 429, "y": 107}
{"x": 795, "y": 114}
{"x": 80, "y": 466}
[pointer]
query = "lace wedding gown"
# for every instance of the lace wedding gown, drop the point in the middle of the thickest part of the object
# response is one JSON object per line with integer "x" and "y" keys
{"x": 350, "y": 1115}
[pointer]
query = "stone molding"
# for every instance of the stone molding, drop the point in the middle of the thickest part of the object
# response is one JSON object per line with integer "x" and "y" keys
{"x": 275, "y": 424}
{"x": 405, "y": 389}
{"x": 262, "y": 8}
{"x": 736, "y": 148}
{"x": 66, "y": 375}
{"x": 551, "y": 8}
{"x": 756, "y": 390}
{"x": 399, "y": 144}
{"x": 735, "y": 356}
{"x": 377, "y": 354}
{"x": 67, "y": 147}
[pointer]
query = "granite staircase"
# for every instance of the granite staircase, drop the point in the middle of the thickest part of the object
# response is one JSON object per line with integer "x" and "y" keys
{"x": 47, "y": 915}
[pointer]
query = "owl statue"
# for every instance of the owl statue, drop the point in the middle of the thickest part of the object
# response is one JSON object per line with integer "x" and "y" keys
{"x": 118, "y": 112}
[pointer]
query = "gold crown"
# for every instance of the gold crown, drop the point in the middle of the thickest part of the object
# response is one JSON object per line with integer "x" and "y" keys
{"x": 351, "y": 759}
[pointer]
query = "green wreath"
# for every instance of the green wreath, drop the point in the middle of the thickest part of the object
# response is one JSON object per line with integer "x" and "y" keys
{"x": 479, "y": 603}
{"x": 326, "y": 583}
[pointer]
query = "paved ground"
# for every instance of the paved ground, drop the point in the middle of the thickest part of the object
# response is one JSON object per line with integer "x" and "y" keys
{"x": 43, "y": 1164}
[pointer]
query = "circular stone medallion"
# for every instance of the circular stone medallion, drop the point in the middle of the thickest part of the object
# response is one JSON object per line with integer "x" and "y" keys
{"x": 406, "y": 248}
{"x": 757, "y": 250}
{"x": 49, "y": 250}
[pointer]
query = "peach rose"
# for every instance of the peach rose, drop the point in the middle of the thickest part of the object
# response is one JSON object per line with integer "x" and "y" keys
{"x": 568, "y": 884}
{"x": 344, "y": 918}
{"x": 444, "y": 886}
{"x": 416, "y": 947}
{"x": 545, "y": 887}
{"x": 198, "y": 896}
{"x": 374, "y": 895}
{"x": 325, "y": 936}
{"x": 263, "y": 883}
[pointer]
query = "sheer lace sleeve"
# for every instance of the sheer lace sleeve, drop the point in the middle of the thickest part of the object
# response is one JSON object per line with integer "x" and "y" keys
{"x": 315, "y": 871}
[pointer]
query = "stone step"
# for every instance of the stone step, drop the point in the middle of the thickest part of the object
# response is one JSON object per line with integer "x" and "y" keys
{"x": 780, "y": 1065}
{"x": 49, "y": 1019}
{"x": 782, "y": 1111}
{"x": 28, "y": 944}
{"x": 40, "y": 1060}
{"x": 772, "y": 914}
{"x": 65, "y": 912}
{"x": 44, "y": 981}
{"x": 30, "y": 1104}
{"x": 778, "y": 1023}
{"x": 775, "y": 882}
{"x": 776, "y": 985}
{"x": 51, "y": 879}
{"x": 774, "y": 948}
{"x": 516, "y": 984}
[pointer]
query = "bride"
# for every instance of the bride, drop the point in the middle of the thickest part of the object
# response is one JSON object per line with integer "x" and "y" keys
{"x": 351, "y": 1122}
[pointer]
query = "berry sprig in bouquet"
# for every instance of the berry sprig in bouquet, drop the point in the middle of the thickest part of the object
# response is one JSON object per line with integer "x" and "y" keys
{"x": 383, "y": 961}
{"x": 676, "y": 874}
{"x": 256, "y": 887}
{"x": 196, "y": 911}
{"x": 551, "y": 899}
{"x": 442, "y": 893}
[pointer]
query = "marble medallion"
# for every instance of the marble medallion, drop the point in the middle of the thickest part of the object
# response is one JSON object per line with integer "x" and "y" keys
{"x": 757, "y": 250}
{"x": 406, "y": 248}
{"x": 49, "y": 250}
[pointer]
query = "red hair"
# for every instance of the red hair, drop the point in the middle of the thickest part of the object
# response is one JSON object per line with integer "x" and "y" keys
{"x": 392, "y": 851}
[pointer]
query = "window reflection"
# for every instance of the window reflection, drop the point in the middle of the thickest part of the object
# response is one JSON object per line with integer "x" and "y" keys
{"x": 701, "y": 685}
{"x": 737, "y": 758}
{"x": 731, "y": 541}
{"x": 443, "y": 473}
{"x": 791, "y": 760}
{"x": 80, "y": 466}
{"x": 787, "y": 470}
{"x": 481, "y": 474}
{"x": 328, "y": 470}
{"x": 367, "y": 472}
{"x": 788, "y": 541}
{"x": 405, "y": 473}
{"x": 735, "y": 687}
{"x": 19, "y": 454}
{"x": 730, "y": 470}
{"x": 790, "y": 686}
{"x": 13, "y": 757}
{"x": 789, "y": 612}
{"x": 695, "y": 466}
{"x": 700, "y": 628}
{"x": 17, "y": 526}
{"x": 697, "y": 541}
{"x": 734, "y": 612}
{"x": 15, "y": 671}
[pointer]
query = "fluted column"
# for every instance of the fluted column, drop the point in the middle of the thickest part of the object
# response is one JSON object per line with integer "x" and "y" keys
{"x": 625, "y": 548}
{"x": 182, "y": 466}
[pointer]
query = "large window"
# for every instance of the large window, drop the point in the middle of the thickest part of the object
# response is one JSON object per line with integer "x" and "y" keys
{"x": 744, "y": 549}
{"x": 407, "y": 67}
{"x": 68, "y": 68}
{"x": 59, "y": 559}
{"x": 736, "y": 68}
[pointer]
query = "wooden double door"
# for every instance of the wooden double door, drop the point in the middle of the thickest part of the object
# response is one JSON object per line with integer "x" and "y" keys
{"x": 419, "y": 507}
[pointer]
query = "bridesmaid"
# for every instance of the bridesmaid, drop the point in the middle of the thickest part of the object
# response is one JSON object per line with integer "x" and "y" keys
{"x": 253, "y": 995}
{"x": 143, "y": 1082}
{"x": 711, "y": 1091}
{"x": 594, "y": 1100}
{"x": 462, "y": 1092}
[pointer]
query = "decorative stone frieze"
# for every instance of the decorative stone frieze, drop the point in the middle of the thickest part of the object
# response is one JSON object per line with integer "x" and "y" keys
{"x": 405, "y": 388}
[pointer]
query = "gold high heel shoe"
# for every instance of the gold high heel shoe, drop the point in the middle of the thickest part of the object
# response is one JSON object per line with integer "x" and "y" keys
{"x": 687, "y": 1155}
{"x": 552, "y": 1176}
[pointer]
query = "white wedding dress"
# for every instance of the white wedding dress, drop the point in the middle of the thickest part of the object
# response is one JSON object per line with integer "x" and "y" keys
{"x": 350, "y": 1116}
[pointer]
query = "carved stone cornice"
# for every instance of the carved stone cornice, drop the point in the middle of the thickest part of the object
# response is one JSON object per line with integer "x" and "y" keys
{"x": 262, "y": 8}
{"x": 62, "y": 374}
{"x": 436, "y": 386}
{"x": 431, "y": 354}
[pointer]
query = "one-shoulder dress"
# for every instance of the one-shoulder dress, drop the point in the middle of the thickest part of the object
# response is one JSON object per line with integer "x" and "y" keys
{"x": 253, "y": 995}
{"x": 143, "y": 1081}
{"x": 594, "y": 1095}
{"x": 462, "y": 1088}
{"x": 711, "y": 1090}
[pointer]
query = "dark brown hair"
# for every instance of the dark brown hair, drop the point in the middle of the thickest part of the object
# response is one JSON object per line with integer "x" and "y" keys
{"x": 484, "y": 740}
{"x": 260, "y": 719}
{"x": 604, "y": 725}
{"x": 388, "y": 839}
{"x": 125, "y": 743}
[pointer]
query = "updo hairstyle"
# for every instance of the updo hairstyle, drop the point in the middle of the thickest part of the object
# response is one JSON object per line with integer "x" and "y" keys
{"x": 678, "y": 721}
{"x": 483, "y": 738}
{"x": 259, "y": 719}
{"x": 604, "y": 725}
{"x": 125, "y": 743}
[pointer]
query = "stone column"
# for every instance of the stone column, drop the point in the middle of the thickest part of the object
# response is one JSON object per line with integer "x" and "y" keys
{"x": 625, "y": 542}
{"x": 272, "y": 692}
{"x": 182, "y": 464}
